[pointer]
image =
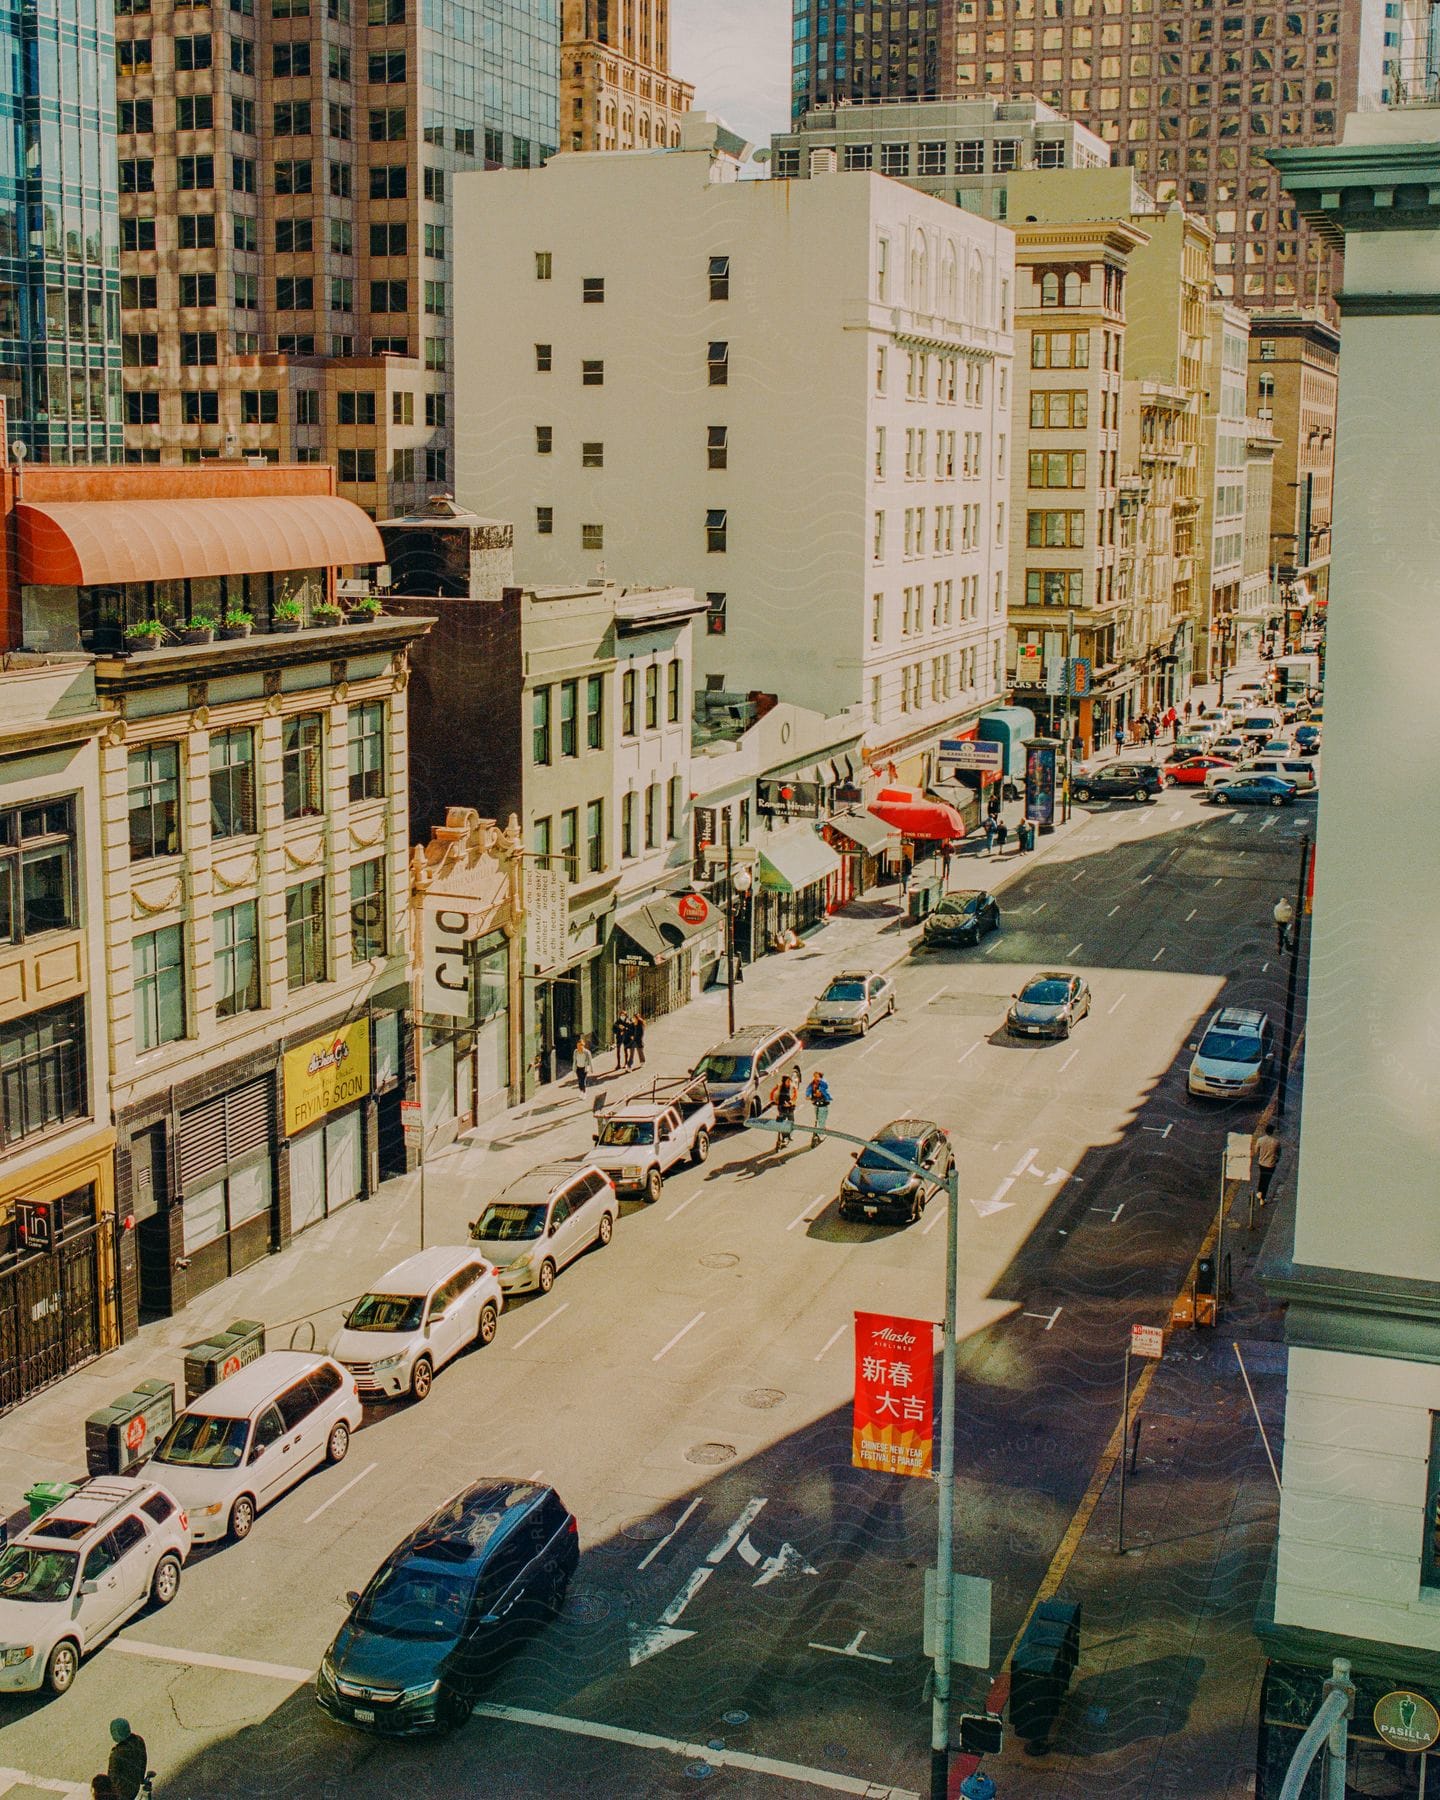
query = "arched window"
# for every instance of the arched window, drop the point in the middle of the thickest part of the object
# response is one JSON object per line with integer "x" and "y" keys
{"x": 919, "y": 274}
{"x": 1049, "y": 288}
{"x": 975, "y": 290}
{"x": 1072, "y": 289}
{"x": 949, "y": 298}
{"x": 674, "y": 137}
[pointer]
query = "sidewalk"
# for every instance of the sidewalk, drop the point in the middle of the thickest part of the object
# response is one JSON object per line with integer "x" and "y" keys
{"x": 300, "y": 1292}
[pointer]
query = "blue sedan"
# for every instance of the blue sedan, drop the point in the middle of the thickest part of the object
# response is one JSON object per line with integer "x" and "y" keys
{"x": 1254, "y": 790}
{"x": 1307, "y": 739}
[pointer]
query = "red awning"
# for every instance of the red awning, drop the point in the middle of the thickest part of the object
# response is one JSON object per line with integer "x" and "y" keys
{"x": 915, "y": 816}
{"x": 81, "y": 543}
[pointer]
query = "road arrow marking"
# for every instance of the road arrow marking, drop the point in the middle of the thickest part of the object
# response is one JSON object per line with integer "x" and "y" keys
{"x": 853, "y": 1649}
{"x": 787, "y": 1561}
{"x": 649, "y": 1640}
{"x": 1162, "y": 1130}
{"x": 732, "y": 1537}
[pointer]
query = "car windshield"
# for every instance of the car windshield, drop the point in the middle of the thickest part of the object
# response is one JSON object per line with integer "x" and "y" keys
{"x": 844, "y": 990}
{"x": 505, "y": 1222}
{"x": 870, "y": 1158}
{"x": 958, "y": 905}
{"x": 1046, "y": 993}
{"x": 197, "y": 1441}
{"x": 726, "y": 1068}
{"x": 1231, "y": 1047}
{"x": 27, "y": 1574}
{"x": 412, "y": 1600}
{"x": 387, "y": 1312}
{"x": 619, "y": 1133}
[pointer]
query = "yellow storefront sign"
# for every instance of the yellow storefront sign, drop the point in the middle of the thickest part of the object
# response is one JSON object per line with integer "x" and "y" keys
{"x": 326, "y": 1074}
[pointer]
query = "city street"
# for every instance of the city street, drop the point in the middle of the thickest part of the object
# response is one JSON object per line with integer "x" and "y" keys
{"x": 747, "y": 1611}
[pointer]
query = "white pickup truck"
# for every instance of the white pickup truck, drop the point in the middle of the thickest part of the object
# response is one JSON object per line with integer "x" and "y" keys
{"x": 641, "y": 1139}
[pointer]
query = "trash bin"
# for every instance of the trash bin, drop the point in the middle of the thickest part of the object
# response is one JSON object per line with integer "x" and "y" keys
{"x": 1025, "y": 835}
{"x": 120, "y": 1436}
{"x": 45, "y": 1496}
{"x": 211, "y": 1360}
{"x": 1045, "y": 1659}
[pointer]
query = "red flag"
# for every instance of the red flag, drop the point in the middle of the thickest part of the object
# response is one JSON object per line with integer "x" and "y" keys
{"x": 894, "y": 1426}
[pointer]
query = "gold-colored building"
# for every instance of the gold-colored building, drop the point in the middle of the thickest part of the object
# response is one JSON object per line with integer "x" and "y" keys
{"x": 616, "y": 89}
{"x": 1294, "y": 385}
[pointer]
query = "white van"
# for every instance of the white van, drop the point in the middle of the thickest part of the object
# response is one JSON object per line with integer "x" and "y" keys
{"x": 240, "y": 1445}
{"x": 1297, "y": 769}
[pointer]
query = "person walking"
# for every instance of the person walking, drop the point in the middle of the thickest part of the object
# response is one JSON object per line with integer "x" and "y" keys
{"x": 786, "y": 1096}
{"x": 583, "y": 1058}
{"x": 1268, "y": 1151}
{"x": 1002, "y": 831}
{"x": 1119, "y": 739}
{"x": 617, "y": 1037}
{"x": 992, "y": 805}
{"x": 1189, "y": 708}
{"x": 128, "y": 1759}
{"x": 992, "y": 825}
{"x": 819, "y": 1096}
{"x": 103, "y": 1788}
{"x": 637, "y": 1037}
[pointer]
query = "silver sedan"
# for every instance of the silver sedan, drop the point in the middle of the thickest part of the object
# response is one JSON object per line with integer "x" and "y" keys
{"x": 851, "y": 1005}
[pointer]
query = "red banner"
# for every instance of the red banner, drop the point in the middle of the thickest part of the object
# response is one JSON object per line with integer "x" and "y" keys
{"x": 894, "y": 1426}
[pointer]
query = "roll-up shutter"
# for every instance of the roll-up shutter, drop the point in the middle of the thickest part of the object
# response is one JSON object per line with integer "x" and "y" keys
{"x": 226, "y": 1129}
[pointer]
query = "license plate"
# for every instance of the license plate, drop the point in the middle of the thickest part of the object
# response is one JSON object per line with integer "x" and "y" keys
{"x": 364, "y": 1716}
{"x": 870, "y": 1212}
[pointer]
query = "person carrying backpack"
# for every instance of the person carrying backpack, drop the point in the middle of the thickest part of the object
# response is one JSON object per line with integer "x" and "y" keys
{"x": 818, "y": 1094}
{"x": 786, "y": 1097}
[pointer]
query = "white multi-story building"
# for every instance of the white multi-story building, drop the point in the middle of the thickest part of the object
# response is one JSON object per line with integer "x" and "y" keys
{"x": 792, "y": 397}
{"x": 1222, "y": 487}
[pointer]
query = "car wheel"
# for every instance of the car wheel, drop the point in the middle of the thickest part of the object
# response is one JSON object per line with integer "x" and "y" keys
{"x": 607, "y": 1229}
{"x": 864, "y": 1023}
{"x": 890, "y": 1010}
{"x": 62, "y": 1667}
{"x": 653, "y": 1185}
{"x": 1220, "y": 799}
{"x": 422, "y": 1377}
{"x": 1083, "y": 793}
{"x": 702, "y": 1146}
{"x": 452, "y": 1709}
{"x": 242, "y": 1517}
{"x": 1277, "y": 799}
{"x": 755, "y": 1107}
{"x": 488, "y": 1324}
{"x": 337, "y": 1445}
{"x": 165, "y": 1583}
{"x": 545, "y": 1280}
{"x": 917, "y": 1206}
{"x": 1142, "y": 793}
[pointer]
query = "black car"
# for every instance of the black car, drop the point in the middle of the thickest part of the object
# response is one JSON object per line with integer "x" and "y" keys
{"x": 446, "y": 1604}
{"x": 962, "y": 918}
{"x": 875, "y": 1188}
{"x": 1120, "y": 780}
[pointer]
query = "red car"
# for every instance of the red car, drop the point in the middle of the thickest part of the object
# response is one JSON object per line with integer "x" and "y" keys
{"x": 1193, "y": 770}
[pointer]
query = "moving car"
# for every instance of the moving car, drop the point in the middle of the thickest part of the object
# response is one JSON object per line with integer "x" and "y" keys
{"x": 1193, "y": 771}
{"x": 875, "y": 1187}
{"x": 1234, "y": 1054}
{"x": 1260, "y": 724}
{"x": 851, "y": 1005}
{"x": 962, "y": 918}
{"x": 1253, "y": 790}
{"x": 1229, "y": 744}
{"x": 1307, "y": 739}
{"x": 1134, "y": 780}
{"x": 446, "y": 1604}
{"x": 741, "y": 1072}
{"x": 421, "y": 1313}
{"x": 643, "y": 1138}
{"x": 545, "y": 1220}
{"x": 241, "y": 1445}
{"x": 1048, "y": 1005}
{"x": 1292, "y": 768}
{"x": 73, "y": 1577}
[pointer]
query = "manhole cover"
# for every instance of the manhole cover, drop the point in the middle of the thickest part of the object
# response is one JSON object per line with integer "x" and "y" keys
{"x": 834, "y": 1752}
{"x": 762, "y": 1399}
{"x": 736, "y": 1717}
{"x": 587, "y": 1605}
{"x": 719, "y": 1259}
{"x": 644, "y": 1531}
{"x": 710, "y": 1453}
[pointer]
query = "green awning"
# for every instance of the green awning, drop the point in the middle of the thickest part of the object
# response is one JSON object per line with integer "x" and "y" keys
{"x": 794, "y": 858}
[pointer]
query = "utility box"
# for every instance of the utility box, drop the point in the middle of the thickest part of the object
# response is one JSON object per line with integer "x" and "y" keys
{"x": 120, "y": 1436}
{"x": 1205, "y": 1301}
{"x": 210, "y": 1361}
{"x": 1045, "y": 1659}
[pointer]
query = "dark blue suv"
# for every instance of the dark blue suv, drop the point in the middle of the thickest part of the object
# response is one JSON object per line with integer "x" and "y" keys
{"x": 1120, "y": 780}
{"x": 447, "y": 1603}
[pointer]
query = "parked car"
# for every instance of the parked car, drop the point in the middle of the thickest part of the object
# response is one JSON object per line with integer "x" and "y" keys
{"x": 1234, "y": 1055}
{"x": 1253, "y": 790}
{"x": 545, "y": 1220}
{"x": 851, "y": 1004}
{"x": 1193, "y": 771}
{"x": 73, "y": 1577}
{"x": 962, "y": 918}
{"x": 1110, "y": 781}
{"x": 737, "y": 1071}
{"x": 643, "y": 1138}
{"x": 1048, "y": 1005}
{"x": 1292, "y": 768}
{"x": 418, "y": 1316}
{"x": 239, "y": 1446}
{"x": 445, "y": 1606}
{"x": 874, "y": 1185}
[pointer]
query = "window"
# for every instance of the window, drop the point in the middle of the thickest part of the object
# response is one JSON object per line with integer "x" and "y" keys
{"x": 544, "y": 439}
{"x": 592, "y": 374}
{"x": 387, "y": 124}
{"x": 543, "y": 265}
{"x": 295, "y": 293}
{"x": 305, "y": 934}
{"x": 435, "y": 299}
{"x": 894, "y": 159}
{"x": 37, "y": 855}
{"x": 435, "y": 185}
{"x": 592, "y": 290}
{"x": 652, "y": 696}
{"x": 544, "y": 359}
{"x": 717, "y": 363}
{"x": 1430, "y": 1547}
{"x": 627, "y": 703}
{"x": 340, "y": 179}
{"x": 294, "y": 236}
{"x": 1054, "y": 587}
{"x": 159, "y": 965}
{"x": 1055, "y": 530}
{"x": 154, "y": 801}
{"x": 719, "y": 277}
{"x": 194, "y": 52}
{"x": 595, "y": 837}
{"x": 367, "y": 910}
{"x": 595, "y": 712}
{"x": 1059, "y": 349}
{"x": 142, "y": 409}
{"x": 652, "y": 816}
{"x": 387, "y": 66}
{"x": 402, "y": 407}
{"x": 853, "y": 156}
{"x": 674, "y": 807}
{"x": 200, "y": 409}
{"x": 242, "y": 57}
{"x": 629, "y": 807}
{"x": 237, "y": 960}
{"x": 435, "y": 240}
{"x": 137, "y": 234}
{"x": 1057, "y": 469}
{"x": 389, "y": 296}
{"x": 232, "y": 781}
{"x": 366, "y": 732}
{"x": 545, "y": 521}
{"x": 388, "y": 182}
{"x": 133, "y": 57}
{"x": 592, "y": 455}
{"x": 140, "y": 350}
{"x": 673, "y": 675}
{"x": 542, "y": 837}
{"x": 592, "y": 537}
{"x": 717, "y": 446}
{"x": 540, "y": 726}
{"x": 139, "y": 291}
{"x": 1061, "y": 410}
{"x": 716, "y": 529}
{"x": 569, "y": 723}
{"x": 569, "y": 831}
{"x": 292, "y": 118}
{"x": 290, "y": 59}
{"x": 302, "y": 765}
{"x": 42, "y": 1071}
{"x": 137, "y": 175}
{"x": 194, "y": 172}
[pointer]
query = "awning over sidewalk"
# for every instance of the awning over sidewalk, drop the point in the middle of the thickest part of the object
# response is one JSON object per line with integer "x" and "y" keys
{"x": 793, "y": 859}
{"x": 867, "y": 831}
{"x": 657, "y": 931}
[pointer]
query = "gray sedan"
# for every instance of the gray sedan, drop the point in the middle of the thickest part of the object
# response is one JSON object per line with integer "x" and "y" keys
{"x": 1048, "y": 1005}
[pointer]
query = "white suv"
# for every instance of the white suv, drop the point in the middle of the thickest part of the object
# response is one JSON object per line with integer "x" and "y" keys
{"x": 77, "y": 1574}
{"x": 416, "y": 1317}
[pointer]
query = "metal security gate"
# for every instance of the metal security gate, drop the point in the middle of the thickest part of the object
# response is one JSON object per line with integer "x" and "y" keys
{"x": 654, "y": 989}
{"x": 49, "y": 1313}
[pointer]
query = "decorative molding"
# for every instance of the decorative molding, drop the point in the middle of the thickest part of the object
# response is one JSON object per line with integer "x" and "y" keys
{"x": 200, "y": 718}
{"x": 274, "y": 705}
{"x": 245, "y": 875}
{"x": 305, "y": 856}
{"x": 1356, "y": 1313}
{"x": 142, "y": 906}
{"x": 358, "y": 840}
{"x": 342, "y": 687}
{"x": 401, "y": 681}
{"x": 1382, "y": 306}
{"x": 199, "y": 695}
{"x": 115, "y": 734}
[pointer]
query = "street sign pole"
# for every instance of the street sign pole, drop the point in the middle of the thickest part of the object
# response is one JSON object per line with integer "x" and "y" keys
{"x": 945, "y": 1519}
{"x": 1124, "y": 1445}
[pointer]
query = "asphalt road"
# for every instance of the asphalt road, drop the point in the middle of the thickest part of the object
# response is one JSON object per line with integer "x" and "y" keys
{"x": 687, "y": 1391}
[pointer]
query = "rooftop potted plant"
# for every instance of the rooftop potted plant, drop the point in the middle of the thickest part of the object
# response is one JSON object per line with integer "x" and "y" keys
{"x": 200, "y": 630}
{"x": 366, "y": 608}
{"x": 324, "y": 613}
{"x": 287, "y": 614}
{"x": 144, "y": 634}
{"x": 236, "y": 624}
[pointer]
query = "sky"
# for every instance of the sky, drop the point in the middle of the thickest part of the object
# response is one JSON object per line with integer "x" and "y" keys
{"x": 737, "y": 53}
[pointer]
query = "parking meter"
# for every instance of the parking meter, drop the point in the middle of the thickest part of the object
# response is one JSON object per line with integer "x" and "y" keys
{"x": 1205, "y": 1303}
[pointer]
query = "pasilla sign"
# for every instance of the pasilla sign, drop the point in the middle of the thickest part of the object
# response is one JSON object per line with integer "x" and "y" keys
{"x": 894, "y": 1425}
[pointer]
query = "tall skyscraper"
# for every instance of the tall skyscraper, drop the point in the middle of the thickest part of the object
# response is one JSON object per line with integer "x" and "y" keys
{"x": 285, "y": 221}
{"x": 871, "y": 53}
{"x": 59, "y": 243}
{"x": 616, "y": 89}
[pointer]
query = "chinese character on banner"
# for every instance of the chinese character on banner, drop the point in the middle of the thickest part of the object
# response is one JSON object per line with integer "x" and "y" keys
{"x": 894, "y": 1425}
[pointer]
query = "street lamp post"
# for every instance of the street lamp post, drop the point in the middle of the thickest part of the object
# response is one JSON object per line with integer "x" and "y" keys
{"x": 737, "y": 882}
{"x": 1296, "y": 928}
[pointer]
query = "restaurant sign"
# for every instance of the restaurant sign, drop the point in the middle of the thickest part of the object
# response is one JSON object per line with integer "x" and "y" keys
{"x": 326, "y": 1074}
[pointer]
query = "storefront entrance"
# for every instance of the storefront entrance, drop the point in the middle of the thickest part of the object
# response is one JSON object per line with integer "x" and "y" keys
{"x": 50, "y": 1299}
{"x": 227, "y": 1183}
{"x": 326, "y": 1169}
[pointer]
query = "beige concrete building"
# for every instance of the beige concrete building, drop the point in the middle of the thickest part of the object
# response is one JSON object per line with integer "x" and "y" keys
{"x": 1220, "y": 526}
{"x": 616, "y": 89}
{"x": 1294, "y": 380}
{"x": 1257, "y": 589}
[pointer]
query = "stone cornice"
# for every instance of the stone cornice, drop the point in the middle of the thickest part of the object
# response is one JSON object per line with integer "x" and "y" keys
{"x": 1355, "y": 1312}
{"x": 1364, "y": 187}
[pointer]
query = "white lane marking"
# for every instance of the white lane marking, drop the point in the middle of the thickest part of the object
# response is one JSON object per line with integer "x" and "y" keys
{"x": 1112, "y": 1216}
{"x": 676, "y": 1212}
{"x": 935, "y": 996}
{"x": 1145, "y": 878}
{"x": 930, "y": 1224}
{"x": 1178, "y": 813}
{"x": 803, "y": 1216}
{"x": 749, "y": 1513}
{"x": 1071, "y": 1057}
{"x": 668, "y": 1538}
{"x": 1158, "y": 954}
{"x": 1112, "y": 912}
{"x": 549, "y": 1319}
{"x": 1264, "y": 968}
{"x": 1041, "y": 907}
{"x": 1265, "y": 824}
{"x": 1160, "y": 1130}
{"x": 1117, "y": 1004}
{"x": 1191, "y": 914}
{"x": 339, "y": 1494}
{"x": 992, "y": 946}
{"x": 853, "y": 1649}
{"x": 964, "y": 1053}
{"x": 1078, "y": 873}
{"x": 201, "y": 1659}
{"x": 677, "y": 1337}
{"x": 829, "y": 1779}
{"x": 1049, "y": 1318}
{"x": 536, "y": 1475}
{"x": 1218, "y": 880}
{"x": 1074, "y": 950}
{"x": 1024, "y": 1162}
{"x": 831, "y": 1341}
{"x": 693, "y": 1584}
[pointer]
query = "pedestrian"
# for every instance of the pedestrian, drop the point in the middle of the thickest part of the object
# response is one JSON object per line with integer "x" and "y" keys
{"x": 583, "y": 1058}
{"x": 1151, "y": 729}
{"x": 1189, "y": 708}
{"x": 128, "y": 1758}
{"x": 1282, "y": 913}
{"x": 819, "y": 1096}
{"x": 1002, "y": 831}
{"x": 617, "y": 1035}
{"x": 786, "y": 1096}
{"x": 1119, "y": 739}
{"x": 992, "y": 825}
{"x": 945, "y": 863}
{"x": 1268, "y": 1151}
{"x": 629, "y": 1040}
{"x": 1023, "y": 837}
{"x": 992, "y": 806}
{"x": 637, "y": 1036}
{"x": 103, "y": 1788}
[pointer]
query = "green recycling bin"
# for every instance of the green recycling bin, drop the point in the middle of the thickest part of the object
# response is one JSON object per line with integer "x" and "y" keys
{"x": 45, "y": 1496}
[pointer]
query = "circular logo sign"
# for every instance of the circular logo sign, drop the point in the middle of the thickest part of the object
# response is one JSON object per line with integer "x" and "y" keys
{"x": 231, "y": 1366}
{"x": 1406, "y": 1721}
{"x": 135, "y": 1434}
{"x": 693, "y": 909}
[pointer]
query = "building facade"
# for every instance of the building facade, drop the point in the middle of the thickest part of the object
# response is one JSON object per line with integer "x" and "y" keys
{"x": 285, "y": 234}
{"x": 1255, "y": 620}
{"x": 1294, "y": 383}
{"x": 616, "y": 89}
{"x": 887, "y": 54}
{"x": 849, "y": 330}
{"x": 1222, "y": 491}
